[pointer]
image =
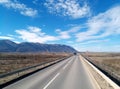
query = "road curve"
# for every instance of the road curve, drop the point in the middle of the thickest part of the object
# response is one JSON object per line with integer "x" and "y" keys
{"x": 68, "y": 74}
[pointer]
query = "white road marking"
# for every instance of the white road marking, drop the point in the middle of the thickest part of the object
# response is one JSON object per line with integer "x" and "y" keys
{"x": 65, "y": 66}
{"x": 69, "y": 61}
{"x": 51, "y": 80}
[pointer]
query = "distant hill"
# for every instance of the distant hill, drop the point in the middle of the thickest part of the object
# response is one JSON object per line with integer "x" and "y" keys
{"x": 9, "y": 46}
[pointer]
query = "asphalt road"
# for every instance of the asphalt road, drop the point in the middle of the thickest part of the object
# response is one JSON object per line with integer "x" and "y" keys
{"x": 68, "y": 74}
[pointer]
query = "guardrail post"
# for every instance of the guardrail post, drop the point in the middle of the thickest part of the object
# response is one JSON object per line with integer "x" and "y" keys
{"x": 18, "y": 74}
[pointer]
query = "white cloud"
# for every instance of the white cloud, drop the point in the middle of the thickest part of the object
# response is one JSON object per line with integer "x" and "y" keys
{"x": 34, "y": 34}
{"x": 4, "y": 1}
{"x": 68, "y": 33}
{"x": 63, "y": 34}
{"x": 71, "y": 8}
{"x": 94, "y": 41}
{"x": 35, "y": 1}
{"x": 101, "y": 26}
{"x": 100, "y": 48}
{"x": 22, "y": 8}
{"x": 83, "y": 48}
{"x": 6, "y": 37}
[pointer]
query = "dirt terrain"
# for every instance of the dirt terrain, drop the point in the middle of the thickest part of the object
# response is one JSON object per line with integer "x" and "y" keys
{"x": 13, "y": 61}
{"x": 110, "y": 62}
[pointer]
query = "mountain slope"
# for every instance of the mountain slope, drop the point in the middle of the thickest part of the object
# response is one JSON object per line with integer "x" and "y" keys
{"x": 9, "y": 46}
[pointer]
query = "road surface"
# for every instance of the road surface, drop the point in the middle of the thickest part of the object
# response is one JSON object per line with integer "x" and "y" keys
{"x": 68, "y": 74}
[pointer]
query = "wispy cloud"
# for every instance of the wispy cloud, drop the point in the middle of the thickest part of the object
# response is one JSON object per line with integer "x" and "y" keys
{"x": 94, "y": 41}
{"x": 22, "y": 8}
{"x": 63, "y": 34}
{"x": 68, "y": 33}
{"x": 7, "y": 37}
{"x": 101, "y": 26}
{"x": 34, "y": 34}
{"x": 71, "y": 8}
{"x": 98, "y": 48}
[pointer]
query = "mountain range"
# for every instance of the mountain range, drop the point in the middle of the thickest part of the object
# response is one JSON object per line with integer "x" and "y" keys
{"x": 10, "y": 46}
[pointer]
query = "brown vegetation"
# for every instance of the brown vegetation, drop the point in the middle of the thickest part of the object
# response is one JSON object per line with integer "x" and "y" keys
{"x": 110, "y": 62}
{"x": 14, "y": 61}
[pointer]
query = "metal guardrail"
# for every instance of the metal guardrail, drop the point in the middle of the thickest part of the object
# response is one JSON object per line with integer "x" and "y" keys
{"x": 19, "y": 70}
{"x": 28, "y": 68}
{"x": 110, "y": 75}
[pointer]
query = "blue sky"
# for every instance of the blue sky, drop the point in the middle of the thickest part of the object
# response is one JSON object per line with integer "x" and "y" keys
{"x": 87, "y": 25}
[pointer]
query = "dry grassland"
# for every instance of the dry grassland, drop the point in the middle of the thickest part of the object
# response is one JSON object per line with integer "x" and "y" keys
{"x": 14, "y": 61}
{"x": 110, "y": 62}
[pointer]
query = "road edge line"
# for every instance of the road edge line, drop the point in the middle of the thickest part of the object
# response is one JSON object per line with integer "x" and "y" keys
{"x": 91, "y": 76}
{"x": 114, "y": 85}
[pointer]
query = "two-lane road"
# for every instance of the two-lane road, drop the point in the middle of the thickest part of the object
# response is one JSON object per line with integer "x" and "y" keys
{"x": 68, "y": 74}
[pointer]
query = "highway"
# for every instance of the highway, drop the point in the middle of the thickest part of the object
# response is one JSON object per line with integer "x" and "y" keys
{"x": 68, "y": 74}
